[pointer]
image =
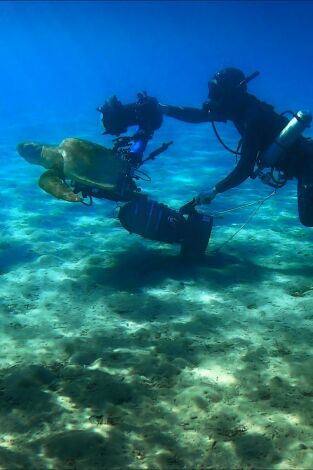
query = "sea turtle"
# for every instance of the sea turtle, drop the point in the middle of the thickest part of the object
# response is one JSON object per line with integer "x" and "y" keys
{"x": 77, "y": 160}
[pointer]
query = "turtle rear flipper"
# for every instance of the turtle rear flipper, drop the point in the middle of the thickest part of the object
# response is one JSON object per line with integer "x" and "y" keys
{"x": 51, "y": 182}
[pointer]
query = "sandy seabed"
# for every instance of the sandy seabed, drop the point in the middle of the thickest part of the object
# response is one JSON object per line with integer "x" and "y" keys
{"x": 115, "y": 353}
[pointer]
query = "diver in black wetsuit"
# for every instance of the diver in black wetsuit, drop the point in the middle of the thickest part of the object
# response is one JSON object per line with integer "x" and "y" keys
{"x": 259, "y": 125}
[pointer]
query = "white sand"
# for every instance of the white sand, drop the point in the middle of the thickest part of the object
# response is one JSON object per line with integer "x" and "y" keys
{"x": 116, "y": 354}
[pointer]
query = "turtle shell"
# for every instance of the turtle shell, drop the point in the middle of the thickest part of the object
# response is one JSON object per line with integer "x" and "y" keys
{"x": 91, "y": 164}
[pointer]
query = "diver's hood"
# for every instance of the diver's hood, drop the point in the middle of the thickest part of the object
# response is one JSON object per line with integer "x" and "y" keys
{"x": 229, "y": 82}
{"x": 228, "y": 93}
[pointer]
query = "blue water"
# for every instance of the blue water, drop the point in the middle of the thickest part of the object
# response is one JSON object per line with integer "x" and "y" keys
{"x": 115, "y": 353}
{"x": 64, "y": 58}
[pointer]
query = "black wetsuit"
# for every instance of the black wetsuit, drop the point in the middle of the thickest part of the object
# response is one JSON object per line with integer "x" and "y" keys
{"x": 259, "y": 125}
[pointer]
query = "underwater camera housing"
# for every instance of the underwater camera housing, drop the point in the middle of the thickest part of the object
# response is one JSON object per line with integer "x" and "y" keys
{"x": 159, "y": 222}
{"x": 117, "y": 117}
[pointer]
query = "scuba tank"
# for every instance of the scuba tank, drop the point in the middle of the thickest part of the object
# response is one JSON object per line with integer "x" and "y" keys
{"x": 278, "y": 149}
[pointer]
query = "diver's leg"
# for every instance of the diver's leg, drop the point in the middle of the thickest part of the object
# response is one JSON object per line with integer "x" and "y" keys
{"x": 305, "y": 202}
{"x": 305, "y": 187}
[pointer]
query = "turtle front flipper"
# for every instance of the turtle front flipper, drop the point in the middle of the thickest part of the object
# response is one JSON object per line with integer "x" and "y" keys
{"x": 51, "y": 182}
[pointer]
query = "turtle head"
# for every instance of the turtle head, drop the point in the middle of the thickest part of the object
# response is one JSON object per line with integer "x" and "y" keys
{"x": 47, "y": 156}
{"x": 31, "y": 152}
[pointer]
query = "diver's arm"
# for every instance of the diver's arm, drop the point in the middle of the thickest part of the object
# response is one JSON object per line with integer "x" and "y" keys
{"x": 244, "y": 167}
{"x": 192, "y": 115}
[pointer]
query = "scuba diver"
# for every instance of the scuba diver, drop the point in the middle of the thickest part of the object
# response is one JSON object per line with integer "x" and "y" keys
{"x": 77, "y": 169}
{"x": 271, "y": 147}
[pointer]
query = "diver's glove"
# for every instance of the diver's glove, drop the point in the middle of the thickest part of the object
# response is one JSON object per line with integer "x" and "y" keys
{"x": 206, "y": 197}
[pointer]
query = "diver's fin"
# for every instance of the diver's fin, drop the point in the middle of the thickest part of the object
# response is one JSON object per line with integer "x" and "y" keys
{"x": 51, "y": 182}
